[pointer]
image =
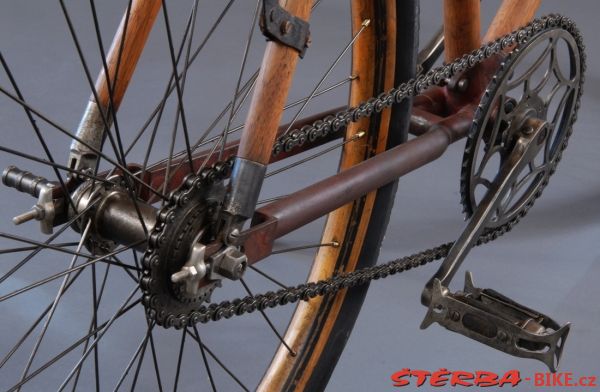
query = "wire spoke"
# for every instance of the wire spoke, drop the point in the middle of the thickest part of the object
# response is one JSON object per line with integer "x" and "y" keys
{"x": 317, "y": 155}
{"x": 90, "y": 81}
{"x": 142, "y": 354}
{"x": 180, "y": 113}
{"x": 36, "y": 130}
{"x": 155, "y": 362}
{"x": 218, "y": 361}
{"x": 138, "y": 351}
{"x": 35, "y": 324}
{"x": 179, "y": 360}
{"x": 161, "y": 105}
{"x": 262, "y": 312}
{"x": 112, "y": 109}
{"x": 246, "y": 89}
{"x": 269, "y": 277}
{"x": 179, "y": 82}
{"x": 59, "y": 295}
{"x": 204, "y": 359}
{"x": 64, "y": 131}
{"x": 30, "y": 248}
{"x": 333, "y": 244}
{"x": 94, "y": 325}
{"x": 47, "y": 242}
{"x": 365, "y": 24}
{"x": 170, "y": 86}
{"x": 63, "y": 273}
{"x": 95, "y": 342}
{"x": 118, "y": 314}
{"x": 57, "y": 247}
{"x": 52, "y": 164}
{"x": 239, "y": 79}
{"x": 127, "y": 268}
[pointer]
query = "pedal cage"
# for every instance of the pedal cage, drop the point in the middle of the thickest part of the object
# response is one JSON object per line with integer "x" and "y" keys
{"x": 497, "y": 321}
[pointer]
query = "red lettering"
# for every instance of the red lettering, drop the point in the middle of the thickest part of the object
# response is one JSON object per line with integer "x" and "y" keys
{"x": 538, "y": 380}
{"x": 568, "y": 379}
{"x": 439, "y": 378}
{"x": 556, "y": 380}
{"x": 460, "y": 378}
{"x": 398, "y": 378}
{"x": 486, "y": 379}
{"x": 512, "y": 377}
{"x": 592, "y": 381}
{"x": 421, "y": 376}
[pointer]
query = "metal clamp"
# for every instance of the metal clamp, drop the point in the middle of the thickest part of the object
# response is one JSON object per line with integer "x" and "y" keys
{"x": 279, "y": 25}
{"x": 246, "y": 181}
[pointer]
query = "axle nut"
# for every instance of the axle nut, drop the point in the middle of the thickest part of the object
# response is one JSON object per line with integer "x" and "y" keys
{"x": 233, "y": 264}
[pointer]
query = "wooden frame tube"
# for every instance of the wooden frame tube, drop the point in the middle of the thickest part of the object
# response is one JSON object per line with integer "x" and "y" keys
{"x": 462, "y": 27}
{"x": 126, "y": 50}
{"x": 271, "y": 91}
{"x": 511, "y": 15}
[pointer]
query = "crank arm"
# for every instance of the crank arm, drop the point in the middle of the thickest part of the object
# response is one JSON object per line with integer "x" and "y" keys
{"x": 484, "y": 314}
{"x": 530, "y": 140}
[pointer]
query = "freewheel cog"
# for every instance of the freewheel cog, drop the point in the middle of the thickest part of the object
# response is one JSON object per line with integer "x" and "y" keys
{"x": 179, "y": 223}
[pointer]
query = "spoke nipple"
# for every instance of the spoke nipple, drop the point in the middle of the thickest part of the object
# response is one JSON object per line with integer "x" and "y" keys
{"x": 360, "y": 134}
{"x": 335, "y": 244}
{"x": 366, "y": 22}
{"x": 353, "y": 77}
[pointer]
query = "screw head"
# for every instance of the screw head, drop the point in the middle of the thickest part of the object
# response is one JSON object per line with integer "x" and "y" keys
{"x": 454, "y": 315}
{"x": 502, "y": 336}
{"x": 286, "y": 27}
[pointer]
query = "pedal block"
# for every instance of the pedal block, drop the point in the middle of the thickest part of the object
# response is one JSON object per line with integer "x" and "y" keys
{"x": 497, "y": 321}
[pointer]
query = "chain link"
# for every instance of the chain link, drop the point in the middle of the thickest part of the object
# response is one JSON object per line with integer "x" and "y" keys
{"x": 319, "y": 129}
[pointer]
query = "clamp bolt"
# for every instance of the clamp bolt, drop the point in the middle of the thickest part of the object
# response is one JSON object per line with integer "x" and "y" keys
{"x": 286, "y": 27}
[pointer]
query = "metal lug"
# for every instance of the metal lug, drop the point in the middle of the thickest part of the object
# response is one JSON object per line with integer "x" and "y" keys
{"x": 279, "y": 25}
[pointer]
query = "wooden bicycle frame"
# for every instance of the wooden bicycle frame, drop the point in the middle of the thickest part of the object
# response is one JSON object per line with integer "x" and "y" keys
{"x": 440, "y": 116}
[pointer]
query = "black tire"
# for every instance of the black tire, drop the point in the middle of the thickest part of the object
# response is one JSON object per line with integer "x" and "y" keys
{"x": 309, "y": 374}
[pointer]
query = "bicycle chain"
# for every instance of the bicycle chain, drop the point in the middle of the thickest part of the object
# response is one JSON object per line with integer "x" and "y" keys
{"x": 296, "y": 138}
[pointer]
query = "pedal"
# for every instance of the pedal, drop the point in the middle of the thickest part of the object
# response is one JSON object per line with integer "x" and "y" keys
{"x": 497, "y": 321}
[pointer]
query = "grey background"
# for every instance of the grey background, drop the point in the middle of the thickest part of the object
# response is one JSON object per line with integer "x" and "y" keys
{"x": 550, "y": 262}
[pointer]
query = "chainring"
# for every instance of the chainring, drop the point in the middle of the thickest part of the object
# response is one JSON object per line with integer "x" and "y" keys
{"x": 512, "y": 96}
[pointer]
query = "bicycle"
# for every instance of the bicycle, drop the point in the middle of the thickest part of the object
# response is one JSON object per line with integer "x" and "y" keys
{"x": 197, "y": 215}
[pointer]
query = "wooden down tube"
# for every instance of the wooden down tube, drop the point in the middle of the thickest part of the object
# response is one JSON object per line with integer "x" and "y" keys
{"x": 462, "y": 23}
{"x": 511, "y": 15}
{"x": 270, "y": 94}
{"x": 139, "y": 24}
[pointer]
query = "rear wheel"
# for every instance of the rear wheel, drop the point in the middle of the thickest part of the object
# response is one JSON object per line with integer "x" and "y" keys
{"x": 59, "y": 344}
